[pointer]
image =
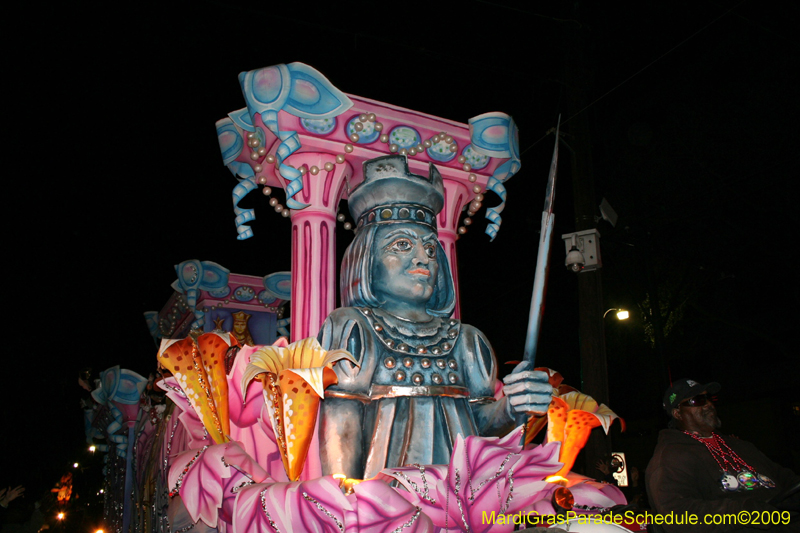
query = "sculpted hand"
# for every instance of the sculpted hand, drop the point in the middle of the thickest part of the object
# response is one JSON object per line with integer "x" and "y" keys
{"x": 528, "y": 391}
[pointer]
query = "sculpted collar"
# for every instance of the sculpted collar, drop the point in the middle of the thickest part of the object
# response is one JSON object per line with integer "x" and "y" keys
{"x": 435, "y": 337}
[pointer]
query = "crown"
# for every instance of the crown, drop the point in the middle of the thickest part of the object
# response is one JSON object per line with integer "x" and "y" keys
{"x": 391, "y": 193}
{"x": 241, "y": 316}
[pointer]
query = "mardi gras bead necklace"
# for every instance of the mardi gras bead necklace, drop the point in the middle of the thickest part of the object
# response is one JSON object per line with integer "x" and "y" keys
{"x": 737, "y": 475}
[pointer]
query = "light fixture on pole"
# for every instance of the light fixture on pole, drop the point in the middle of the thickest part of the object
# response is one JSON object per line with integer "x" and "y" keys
{"x": 622, "y": 314}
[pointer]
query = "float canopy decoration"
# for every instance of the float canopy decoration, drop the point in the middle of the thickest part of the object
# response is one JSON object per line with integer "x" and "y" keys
{"x": 293, "y": 109}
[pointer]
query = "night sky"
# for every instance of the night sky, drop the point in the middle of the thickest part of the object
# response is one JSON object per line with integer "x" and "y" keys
{"x": 115, "y": 176}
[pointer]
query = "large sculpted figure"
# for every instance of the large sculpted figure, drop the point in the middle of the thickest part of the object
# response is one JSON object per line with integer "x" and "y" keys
{"x": 422, "y": 377}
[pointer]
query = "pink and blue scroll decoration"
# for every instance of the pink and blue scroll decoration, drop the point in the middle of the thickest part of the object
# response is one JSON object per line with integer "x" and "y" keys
{"x": 279, "y": 285}
{"x": 496, "y": 135}
{"x": 193, "y": 276}
{"x": 283, "y": 326}
{"x": 296, "y": 89}
{"x": 231, "y": 143}
{"x": 119, "y": 387}
{"x": 91, "y": 431}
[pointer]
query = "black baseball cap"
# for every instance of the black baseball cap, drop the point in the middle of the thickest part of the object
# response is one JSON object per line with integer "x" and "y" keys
{"x": 686, "y": 388}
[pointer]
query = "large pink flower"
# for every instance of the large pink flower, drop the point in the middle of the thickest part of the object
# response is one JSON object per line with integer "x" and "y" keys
{"x": 486, "y": 475}
{"x": 380, "y": 509}
{"x": 316, "y": 506}
{"x": 208, "y": 479}
{"x": 250, "y": 423}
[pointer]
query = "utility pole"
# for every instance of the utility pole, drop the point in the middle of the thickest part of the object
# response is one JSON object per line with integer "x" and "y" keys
{"x": 594, "y": 369}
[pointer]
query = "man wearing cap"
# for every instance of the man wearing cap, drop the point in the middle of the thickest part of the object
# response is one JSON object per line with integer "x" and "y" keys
{"x": 696, "y": 471}
{"x": 422, "y": 379}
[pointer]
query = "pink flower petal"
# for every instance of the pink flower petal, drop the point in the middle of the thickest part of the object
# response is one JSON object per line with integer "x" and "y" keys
{"x": 316, "y": 506}
{"x": 485, "y": 475}
{"x": 199, "y": 475}
{"x": 380, "y": 509}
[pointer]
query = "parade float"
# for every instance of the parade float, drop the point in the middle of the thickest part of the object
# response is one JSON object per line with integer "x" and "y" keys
{"x": 382, "y": 415}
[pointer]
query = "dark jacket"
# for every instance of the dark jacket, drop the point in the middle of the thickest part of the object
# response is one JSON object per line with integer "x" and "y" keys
{"x": 683, "y": 477}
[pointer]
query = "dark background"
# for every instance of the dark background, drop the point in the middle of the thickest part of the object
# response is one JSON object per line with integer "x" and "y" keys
{"x": 114, "y": 175}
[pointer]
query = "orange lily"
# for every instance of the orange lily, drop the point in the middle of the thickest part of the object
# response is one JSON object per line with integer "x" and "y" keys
{"x": 296, "y": 378}
{"x": 570, "y": 419}
{"x": 198, "y": 364}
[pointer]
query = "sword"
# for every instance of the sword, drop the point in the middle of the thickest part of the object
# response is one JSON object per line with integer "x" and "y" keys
{"x": 540, "y": 277}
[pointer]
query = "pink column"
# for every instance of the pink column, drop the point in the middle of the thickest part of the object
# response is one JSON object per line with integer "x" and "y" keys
{"x": 456, "y": 196}
{"x": 314, "y": 242}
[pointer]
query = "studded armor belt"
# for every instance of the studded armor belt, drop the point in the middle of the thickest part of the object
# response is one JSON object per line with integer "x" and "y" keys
{"x": 377, "y": 392}
{"x": 398, "y": 391}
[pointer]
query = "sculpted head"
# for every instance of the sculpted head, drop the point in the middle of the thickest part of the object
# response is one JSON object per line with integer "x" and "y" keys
{"x": 396, "y": 257}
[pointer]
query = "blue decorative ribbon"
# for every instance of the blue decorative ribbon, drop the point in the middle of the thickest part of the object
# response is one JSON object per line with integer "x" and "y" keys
{"x": 242, "y": 189}
{"x": 496, "y": 135}
{"x": 89, "y": 430}
{"x": 231, "y": 144}
{"x": 283, "y": 326}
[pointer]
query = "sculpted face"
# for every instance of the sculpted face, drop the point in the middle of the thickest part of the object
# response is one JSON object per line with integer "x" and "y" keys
{"x": 405, "y": 266}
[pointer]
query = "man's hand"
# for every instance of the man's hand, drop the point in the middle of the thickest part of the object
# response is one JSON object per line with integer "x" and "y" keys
{"x": 9, "y": 494}
{"x": 528, "y": 391}
{"x": 603, "y": 467}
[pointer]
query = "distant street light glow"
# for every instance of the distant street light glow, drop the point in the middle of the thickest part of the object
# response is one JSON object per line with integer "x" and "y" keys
{"x": 92, "y": 448}
{"x": 60, "y": 516}
{"x": 74, "y": 465}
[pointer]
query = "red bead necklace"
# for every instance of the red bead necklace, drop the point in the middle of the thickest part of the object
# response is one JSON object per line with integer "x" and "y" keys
{"x": 737, "y": 475}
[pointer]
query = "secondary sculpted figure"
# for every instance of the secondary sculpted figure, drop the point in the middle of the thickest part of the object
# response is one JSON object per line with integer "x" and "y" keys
{"x": 423, "y": 378}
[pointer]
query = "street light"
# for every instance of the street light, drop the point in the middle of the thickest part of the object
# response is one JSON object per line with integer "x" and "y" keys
{"x": 622, "y": 314}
